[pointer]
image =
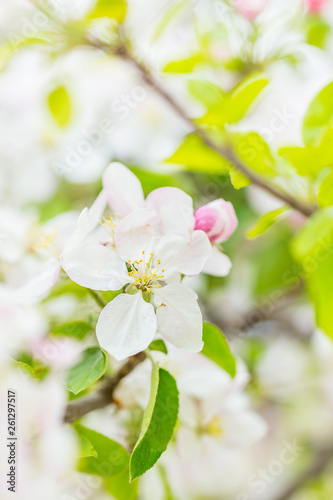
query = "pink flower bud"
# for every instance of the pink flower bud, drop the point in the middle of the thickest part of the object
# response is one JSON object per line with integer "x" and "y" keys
{"x": 315, "y": 6}
{"x": 217, "y": 219}
{"x": 250, "y": 8}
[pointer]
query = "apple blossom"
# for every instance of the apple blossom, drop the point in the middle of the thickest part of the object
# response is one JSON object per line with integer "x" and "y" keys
{"x": 250, "y": 8}
{"x": 315, "y": 6}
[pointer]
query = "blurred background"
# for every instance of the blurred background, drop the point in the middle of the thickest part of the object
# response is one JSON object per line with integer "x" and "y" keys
{"x": 68, "y": 108}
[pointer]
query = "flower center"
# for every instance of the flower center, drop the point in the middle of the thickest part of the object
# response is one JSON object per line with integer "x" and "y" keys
{"x": 146, "y": 273}
{"x": 214, "y": 427}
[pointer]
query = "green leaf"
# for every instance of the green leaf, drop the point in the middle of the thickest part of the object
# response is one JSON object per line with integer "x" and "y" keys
{"x": 78, "y": 329}
{"x": 238, "y": 179}
{"x": 243, "y": 96}
{"x": 325, "y": 193}
{"x": 112, "y": 458}
{"x": 254, "y": 152}
{"x": 113, "y": 9}
{"x": 313, "y": 247}
{"x": 183, "y": 65}
{"x": 206, "y": 92}
{"x": 195, "y": 155}
{"x": 91, "y": 367}
{"x": 319, "y": 116}
{"x": 158, "y": 345}
{"x": 216, "y": 349}
{"x": 158, "y": 423}
{"x": 265, "y": 222}
{"x": 120, "y": 488}
{"x": 86, "y": 447}
{"x": 60, "y": 106}
{"x": 317, "y": 31}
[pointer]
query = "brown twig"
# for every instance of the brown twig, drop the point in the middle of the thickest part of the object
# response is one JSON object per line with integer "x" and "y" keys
{"x": 224, "y": 152}
{"x": 322, "y": 461}
{"x": 103, "y": 396}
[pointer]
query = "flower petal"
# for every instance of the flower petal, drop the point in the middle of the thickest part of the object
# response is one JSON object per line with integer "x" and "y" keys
{"x": 137, "y": 232}
{"x": 179, "y": 317}
{"x": 195, "y": 254}
{"x": 123, "y": 189}
{"x": 175, "y": 209}
{"x": 126, "y": 326}
{"x": 88, "y": 220}
{"x": 95, "y": 266}
{"x": 218, "y": 263}
{"x": 42, "y": 282}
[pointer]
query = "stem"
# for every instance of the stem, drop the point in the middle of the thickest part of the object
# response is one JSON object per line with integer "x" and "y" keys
{"x": 319, "y": 465}
{"x": 98, "y": 299}
{"x": 224, "y": 152}
{"x": 103, "y": 396}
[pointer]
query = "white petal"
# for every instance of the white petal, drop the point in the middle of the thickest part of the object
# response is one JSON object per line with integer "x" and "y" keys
{"x": 218, "y": 263}
{"x": 179, "y": 317}
{"x": 137, "y": 232}
{"x": 243, "y": 428}
{"x": 175, "y": 209}
{"x": 123, "y": 189}
{"x": 88, "y": 220}
{"x": 195, "y": 254}
{"x": 126, "y": 325}
{"x": 95, "y": 266}
{"x": 41, "y": 283}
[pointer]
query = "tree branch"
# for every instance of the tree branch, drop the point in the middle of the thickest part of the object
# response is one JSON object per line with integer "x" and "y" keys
{"x": 224, "y": 152}
{"x": 323, "y": 459}
{"x": 103, "y": 396}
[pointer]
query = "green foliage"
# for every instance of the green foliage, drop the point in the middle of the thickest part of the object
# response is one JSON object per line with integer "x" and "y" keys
{"x": 77, "y": 329}
{"x": 325, "y": 192}
{"x": 35, "y": 368}
{"x": 89, "y": 369}
{"x": 265, "y": 222}
{"x": 318, "y": 117}
{"x": 243, "y": 96}
{"x": 216, "y": 348}
{"x": 121, "y": 488}
{"x": 113, "y": 9}
{"x": 238, "y": 180}
{"x": 254, "y": 152}
{"x": 158, "y": 345}
{"x": 186, "y": 65}
{"x": 158, "y": 423}
{"x": 313, "y": 247}
{"x": 86, "y": 447}
{"x": 60, "y": 106}
{"x": 195, "y": 155}
{"x": 112, "y": 458}
{"x": 317, "y": 31}
{"x": 225, "y": 108}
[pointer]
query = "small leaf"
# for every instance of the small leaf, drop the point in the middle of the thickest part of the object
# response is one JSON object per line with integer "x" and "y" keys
{"x": 87, "y": 449}
{"x": 195, "y": 155}
{"x": 78, "y": 329}
{"x": 313, "y": 248}
{"x": 254, "y": 152}
{"x": 243, "y": 96}
{"x": 112, "y": 458}
{"x": 265, "y": 222}
{"x": 325, "y": 193}
{"x": 120, "y": 488}
{"x": 60, "y": 106}
{"x": 319, "y": 116}
{"x": 158, "y": 423}
{"x": 206, "y": 92}
{"x": 216, "y": 349}
{"x": 238, "y": 180}
{"x": 91, "y": 367}
{"x": 113, "y": 9}
{"x": 183, "y": 65}
{"x": 158, "y": 345}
